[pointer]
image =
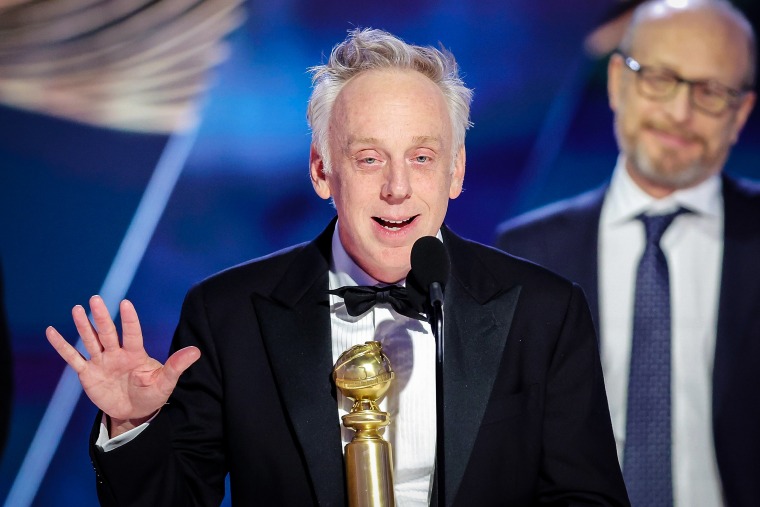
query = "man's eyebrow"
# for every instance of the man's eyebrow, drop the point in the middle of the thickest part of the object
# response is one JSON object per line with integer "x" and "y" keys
{"x": 427, "y": 139}
{"x": 361, "y": 140}
{"x": 374, "y": 140}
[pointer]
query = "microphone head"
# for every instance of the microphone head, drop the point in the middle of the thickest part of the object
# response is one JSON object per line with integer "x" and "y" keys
{"x": 430, "y": 264}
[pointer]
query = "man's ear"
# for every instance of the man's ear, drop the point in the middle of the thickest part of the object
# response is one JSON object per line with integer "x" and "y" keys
{"x": 317, "y": 173}
{"x": 614, "y": 68}
{"x": 742, "y": 113}
{"x": 457, "y": 177}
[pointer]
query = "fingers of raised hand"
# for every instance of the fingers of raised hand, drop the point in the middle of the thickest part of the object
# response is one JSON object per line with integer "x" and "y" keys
{"x": 86, "y": 331}
{"x": 130, "y": 326}
{"x": 106, "y": 330}
{"x": 65, "y": 350}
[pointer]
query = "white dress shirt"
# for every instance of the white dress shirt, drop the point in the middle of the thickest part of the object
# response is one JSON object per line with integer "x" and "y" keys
{"x": 410, "y": 401}
{"x": 693, "y": 246}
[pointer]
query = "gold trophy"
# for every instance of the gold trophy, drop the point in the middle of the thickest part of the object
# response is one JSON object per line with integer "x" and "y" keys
{"x": 363, "y": 373}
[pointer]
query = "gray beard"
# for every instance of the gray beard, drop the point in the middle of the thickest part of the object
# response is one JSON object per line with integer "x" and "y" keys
{"x": 682, "y": 177}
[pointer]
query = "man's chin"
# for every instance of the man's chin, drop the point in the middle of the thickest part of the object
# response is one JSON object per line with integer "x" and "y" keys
{"x": 387, "y": 265}
{"x": 675, "y": 177}
{"x": 669, "y": 171}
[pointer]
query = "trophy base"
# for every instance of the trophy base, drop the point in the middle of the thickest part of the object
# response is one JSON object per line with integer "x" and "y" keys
{"x": 369, "y": 466}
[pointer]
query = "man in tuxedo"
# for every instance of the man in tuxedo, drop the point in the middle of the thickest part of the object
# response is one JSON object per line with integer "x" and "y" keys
{"x": 681, "y": 90}
{"x": 248, "y": 389}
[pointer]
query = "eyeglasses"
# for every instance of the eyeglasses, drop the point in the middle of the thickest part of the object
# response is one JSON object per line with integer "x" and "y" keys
{"x": 658, "y": 83}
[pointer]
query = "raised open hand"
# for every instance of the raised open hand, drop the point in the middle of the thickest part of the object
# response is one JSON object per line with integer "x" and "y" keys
{"x": 120, "y": 378}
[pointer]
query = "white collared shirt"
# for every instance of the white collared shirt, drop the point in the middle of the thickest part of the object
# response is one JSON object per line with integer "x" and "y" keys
{"x": 693, "y": 246}
{"x": 410, "y": 401}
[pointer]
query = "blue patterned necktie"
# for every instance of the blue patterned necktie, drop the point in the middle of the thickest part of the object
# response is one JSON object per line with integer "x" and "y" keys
{"x": 647, "y": 455}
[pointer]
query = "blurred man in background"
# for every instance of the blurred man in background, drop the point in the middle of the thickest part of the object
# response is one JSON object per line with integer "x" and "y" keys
{"x": 667, "y": 254}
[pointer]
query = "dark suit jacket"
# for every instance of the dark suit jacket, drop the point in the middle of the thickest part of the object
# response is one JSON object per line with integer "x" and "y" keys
{"x": 526, "y": 418}
{"x": 564, "y": 237}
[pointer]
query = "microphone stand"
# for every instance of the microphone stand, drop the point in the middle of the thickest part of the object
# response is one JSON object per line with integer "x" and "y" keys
{"x": 436, "y": 324}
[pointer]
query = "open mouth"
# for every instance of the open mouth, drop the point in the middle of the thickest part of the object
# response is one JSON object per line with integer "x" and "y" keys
{"x": 394, "y": 225}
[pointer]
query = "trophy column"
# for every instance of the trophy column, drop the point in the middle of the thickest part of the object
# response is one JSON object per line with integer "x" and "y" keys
{"x": 363, "y": 373}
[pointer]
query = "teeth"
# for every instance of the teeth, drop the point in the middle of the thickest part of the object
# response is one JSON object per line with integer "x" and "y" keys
{"x": 393, "y": 225}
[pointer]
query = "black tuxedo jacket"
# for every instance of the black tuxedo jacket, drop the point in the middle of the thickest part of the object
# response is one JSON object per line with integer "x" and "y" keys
{"x": 564, "y": 237}
{"x": 526, "y": 418}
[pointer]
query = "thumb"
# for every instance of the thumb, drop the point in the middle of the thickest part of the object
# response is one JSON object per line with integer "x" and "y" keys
{"x": 177, "y": 364}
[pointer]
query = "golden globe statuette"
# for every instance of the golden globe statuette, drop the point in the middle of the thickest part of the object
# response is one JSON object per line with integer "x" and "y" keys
{"x": 363, "y": 373}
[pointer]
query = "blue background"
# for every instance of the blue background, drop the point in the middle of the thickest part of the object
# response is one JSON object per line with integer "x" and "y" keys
{"x": 68, "y": 191}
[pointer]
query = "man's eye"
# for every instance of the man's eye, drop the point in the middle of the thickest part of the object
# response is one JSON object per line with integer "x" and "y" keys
{"x": 421, "y": 159}
{"x": 369, "y": 160}
{"x": 659, "y": 82}
{"x": 712, "y": 92}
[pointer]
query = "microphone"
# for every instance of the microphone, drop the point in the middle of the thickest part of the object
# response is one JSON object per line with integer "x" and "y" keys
{"x": 430, "y": 272}
{"x": 425, "y": 283}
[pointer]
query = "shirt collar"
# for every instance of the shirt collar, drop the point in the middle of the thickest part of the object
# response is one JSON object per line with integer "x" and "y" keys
{"x": 626, "y": 200}
{"x": 343, "y": 270}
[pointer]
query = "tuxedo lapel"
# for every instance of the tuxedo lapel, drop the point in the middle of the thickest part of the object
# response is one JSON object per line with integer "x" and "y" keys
{"x": 295, "y": 328}
{"x": 478, "y": 316}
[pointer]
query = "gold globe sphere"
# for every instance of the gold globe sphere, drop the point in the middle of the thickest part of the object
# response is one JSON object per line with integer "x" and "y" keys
{"x": 363, "y": 372}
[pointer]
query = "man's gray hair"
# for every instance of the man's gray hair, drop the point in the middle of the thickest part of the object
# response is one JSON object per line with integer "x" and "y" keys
{"x": 371, "y": 49}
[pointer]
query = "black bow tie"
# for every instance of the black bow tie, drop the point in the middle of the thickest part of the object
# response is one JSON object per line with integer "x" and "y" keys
{"x": 360, "y": 299}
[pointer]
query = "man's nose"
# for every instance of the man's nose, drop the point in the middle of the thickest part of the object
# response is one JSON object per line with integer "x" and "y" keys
{"x": 680, "y": 107}
{"x": 397, "y": 184}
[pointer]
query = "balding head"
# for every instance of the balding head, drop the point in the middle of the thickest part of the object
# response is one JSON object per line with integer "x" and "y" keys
{"x": 681, "y": 91}
{"x": 730, "y": 23}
